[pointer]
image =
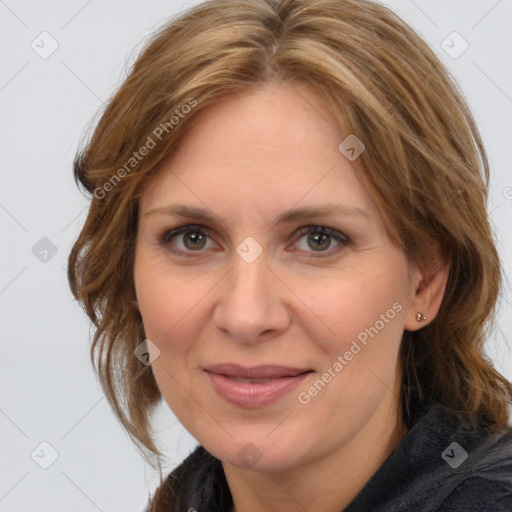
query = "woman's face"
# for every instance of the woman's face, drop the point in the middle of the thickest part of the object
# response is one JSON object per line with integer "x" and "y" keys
{"x": 277, "y": 344}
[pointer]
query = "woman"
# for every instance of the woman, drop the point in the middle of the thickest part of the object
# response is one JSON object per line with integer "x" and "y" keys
{"x": 288, "y": 244}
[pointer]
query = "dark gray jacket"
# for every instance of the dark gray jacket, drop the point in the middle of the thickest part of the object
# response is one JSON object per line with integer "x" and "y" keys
{"x": 440, "y": 465}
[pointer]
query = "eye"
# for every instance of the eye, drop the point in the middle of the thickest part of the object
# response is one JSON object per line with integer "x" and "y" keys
{"x": 320, "y": 239}
{"x": 193, "y": 239}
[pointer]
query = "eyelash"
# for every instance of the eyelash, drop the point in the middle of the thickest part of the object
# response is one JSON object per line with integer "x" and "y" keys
{"x": 166, "y": 238}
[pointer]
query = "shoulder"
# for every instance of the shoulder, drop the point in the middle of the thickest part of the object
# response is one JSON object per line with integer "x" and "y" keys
{"x": 443, "y": 464}
{"x": 484, "y": 481}
{"x": 476, "y": 494}
{"x": 472, "y": 469}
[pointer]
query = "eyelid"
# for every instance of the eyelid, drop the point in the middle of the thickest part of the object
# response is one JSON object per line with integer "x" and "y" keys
{"x": 335, "y": 234}
{"x": 171, "y": 233}
{"x": 312, "y": 228}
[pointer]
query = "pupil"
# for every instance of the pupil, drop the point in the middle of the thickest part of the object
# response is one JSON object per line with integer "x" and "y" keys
{"x": 195, "y": 237}
{"x": 322, "y": 244}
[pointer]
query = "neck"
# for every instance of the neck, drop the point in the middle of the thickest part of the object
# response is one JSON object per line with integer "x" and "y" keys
{"x": 328, "y": 482}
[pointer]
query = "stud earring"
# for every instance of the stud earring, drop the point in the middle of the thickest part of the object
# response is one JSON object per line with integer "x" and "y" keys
{"x": 420, "y": 317}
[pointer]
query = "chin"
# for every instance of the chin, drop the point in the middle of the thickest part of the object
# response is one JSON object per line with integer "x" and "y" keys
{"x": 259, "y": 452}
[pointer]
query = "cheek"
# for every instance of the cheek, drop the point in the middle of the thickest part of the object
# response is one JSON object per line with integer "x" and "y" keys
{"x": 159, "y": 309}
{"x": 159, "y": 306}
{"x": 163, "y": 296}
{"x": 360, "y": 302}
{"x": 167, "y": 309}
{"x": 364, "y": 311}
{"x": 174, "y": 310}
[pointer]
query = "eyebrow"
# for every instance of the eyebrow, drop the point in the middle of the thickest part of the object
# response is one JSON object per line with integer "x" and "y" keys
{"x": 287, "y": 217}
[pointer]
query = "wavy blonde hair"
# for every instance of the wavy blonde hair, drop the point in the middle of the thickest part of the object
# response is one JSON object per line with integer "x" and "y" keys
{"x": 424, "y": 164}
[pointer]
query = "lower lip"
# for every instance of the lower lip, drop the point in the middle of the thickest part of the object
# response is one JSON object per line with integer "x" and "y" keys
{"x": 252, "y": 395}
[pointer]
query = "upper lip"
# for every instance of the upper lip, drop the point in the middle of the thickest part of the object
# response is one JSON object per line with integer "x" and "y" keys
{"x": 255, "y": 372}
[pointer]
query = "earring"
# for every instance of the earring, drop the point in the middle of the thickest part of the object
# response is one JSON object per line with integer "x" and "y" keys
{"x": 420, "y": 317}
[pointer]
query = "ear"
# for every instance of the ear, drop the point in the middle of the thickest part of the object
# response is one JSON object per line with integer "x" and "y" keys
{"x": 427, "y": 291}
{"x": 136, "y": 305}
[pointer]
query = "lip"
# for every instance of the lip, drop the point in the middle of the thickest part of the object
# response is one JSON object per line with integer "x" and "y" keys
{"x": 272, "y": 383}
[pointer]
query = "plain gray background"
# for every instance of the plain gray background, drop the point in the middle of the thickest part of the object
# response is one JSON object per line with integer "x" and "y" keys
{"x": 49, "y": 393}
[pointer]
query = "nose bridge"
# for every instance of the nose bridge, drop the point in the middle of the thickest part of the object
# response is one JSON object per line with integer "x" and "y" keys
{"x": 250, "y": 303}
{"x": 249, "y": 276}
{"x": 250, "y": 272}
{"x": 249, "y": 281}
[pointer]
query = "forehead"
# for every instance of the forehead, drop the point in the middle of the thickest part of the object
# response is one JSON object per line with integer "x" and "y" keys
{"x": 264, "y": 150}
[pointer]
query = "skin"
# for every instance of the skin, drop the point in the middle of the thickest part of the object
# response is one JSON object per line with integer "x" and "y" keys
{"x": 247, "y": 159}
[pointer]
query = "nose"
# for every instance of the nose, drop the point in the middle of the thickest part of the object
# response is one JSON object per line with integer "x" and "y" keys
{"x": 252, "y": 304}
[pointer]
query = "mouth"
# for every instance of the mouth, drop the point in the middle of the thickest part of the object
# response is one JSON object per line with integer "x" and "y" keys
{"x": 254, "y": 387}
